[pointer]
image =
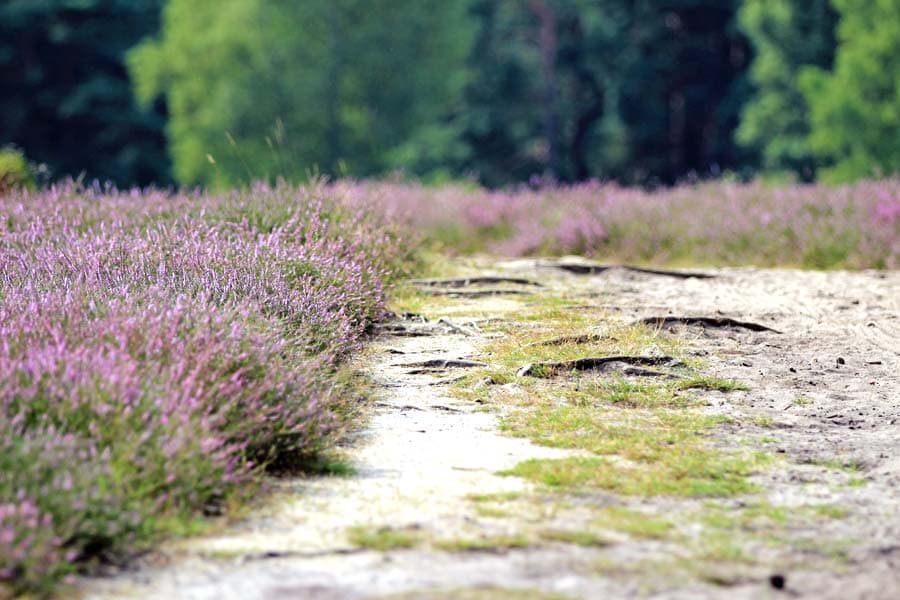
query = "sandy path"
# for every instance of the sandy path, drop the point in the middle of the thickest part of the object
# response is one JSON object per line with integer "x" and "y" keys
{"x": 425, "y": 452}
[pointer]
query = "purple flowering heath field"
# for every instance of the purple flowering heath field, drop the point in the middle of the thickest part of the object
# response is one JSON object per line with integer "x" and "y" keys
{"x": 158, "y": 351}
{"x": 716, "y": 224}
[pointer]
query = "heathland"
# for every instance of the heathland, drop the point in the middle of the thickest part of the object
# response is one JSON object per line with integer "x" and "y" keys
{"x": 161, "y": 353}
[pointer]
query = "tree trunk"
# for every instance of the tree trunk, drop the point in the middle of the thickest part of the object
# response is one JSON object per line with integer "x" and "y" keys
{"x": 547, "y": 42}
{"x": 334, "y": 91}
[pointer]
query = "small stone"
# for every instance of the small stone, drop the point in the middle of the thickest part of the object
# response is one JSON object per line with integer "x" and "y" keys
{"x": 841, "y": 361}
{"x": 652, "y": 351}
{"x": 778, "y": 581}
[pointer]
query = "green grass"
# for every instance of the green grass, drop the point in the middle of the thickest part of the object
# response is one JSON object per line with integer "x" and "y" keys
{"x": 760, "y": 515}
{"x": 499, "y": 543}
{"x": 492, "y": 512}
{"x": 634, "y": 523}
{"x": 645, "y": 436}
{"x": 830, "y": 511}
{"x": 496, "y": 497}
{"x": 836, "y": 551}
{"x": 699, "y": 474}
{"x": 518, "y": 346}
{"x": 720, "y": 546}
{"x": 578, "y": 537}
{"x": 837, "y": 464}
{"x": 755, "y": 515}
{"x": 704, "y": 382}
{"x": 382, "y": 539}
{"x": 628, "y": 394}
{"x": 735, "y": 533}
{"x": 764, "y": 421}
{"x": 632, "y": 437}
{"x": 651, "y": 425}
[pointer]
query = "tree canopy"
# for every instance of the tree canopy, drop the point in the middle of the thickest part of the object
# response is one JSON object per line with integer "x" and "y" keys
{"x": 65, "y": 95}
{"x": 262, "y": 88}
{"x": 855, "y": 108}
{"x": 788, "y": 36}
{"x": 501, "y": 91}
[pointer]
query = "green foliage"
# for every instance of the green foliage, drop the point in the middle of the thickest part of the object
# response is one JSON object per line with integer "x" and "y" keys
{"x": 14, "y": 171}
{"x": 855, "y": 108}
{"x": 682, "y": 87}
{"x": 638, "y": 91}
{"x": 65, "y": 97}
{"x": 499, "y": 543}
{"x": 641, "y": 92}
{"x": 538, "y": 97}
{"x": 347, "y": 87}
{"x": 787, "y": 36}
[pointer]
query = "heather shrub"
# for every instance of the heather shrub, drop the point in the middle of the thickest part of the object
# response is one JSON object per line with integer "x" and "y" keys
{"x": 14, "y": 171}
{"x": 57, "y": 507}
{"x": 158, "y": 351}
{"x": 722, "y": 223}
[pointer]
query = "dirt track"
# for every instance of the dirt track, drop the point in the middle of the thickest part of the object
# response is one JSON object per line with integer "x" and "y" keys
{"x": 824, "y": 400}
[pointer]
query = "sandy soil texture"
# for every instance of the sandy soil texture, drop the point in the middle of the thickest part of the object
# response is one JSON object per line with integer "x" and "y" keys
{"x": 819, "y": 352}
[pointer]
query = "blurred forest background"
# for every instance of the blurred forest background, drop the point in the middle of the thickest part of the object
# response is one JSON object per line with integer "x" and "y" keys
{"x": 645, "y": 92}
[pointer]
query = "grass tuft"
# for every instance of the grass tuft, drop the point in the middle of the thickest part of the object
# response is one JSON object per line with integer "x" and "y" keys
{"x": 712, "y": 384}
{"x": 579, "y": 537}
{"x": 382, "y": 539}
{"x": 634, "y": 523}
{"x": 500, "y": 543}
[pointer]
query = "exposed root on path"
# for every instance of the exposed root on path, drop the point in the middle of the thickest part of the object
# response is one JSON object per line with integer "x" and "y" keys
{"x": 584, "y": 268}
{"x": 438, "y": 363}
{"x": 603, "y": 364}
{"x": 459, "y": 282}
{"x": 568, "y": 340}
{"x": 707, "y": 322}
{"x": 476, "y": 293}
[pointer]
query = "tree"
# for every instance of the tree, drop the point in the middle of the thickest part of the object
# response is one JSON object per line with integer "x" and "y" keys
{"x": 855, "y": 108}
{"x": 265, "y": 88}
{"x": 538, "y": 101}
{"x": 787, "y": 35}
{"x": 680, "y": 88}
{"x": 65, "y": 96}
{"x": 639, "y": 90}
